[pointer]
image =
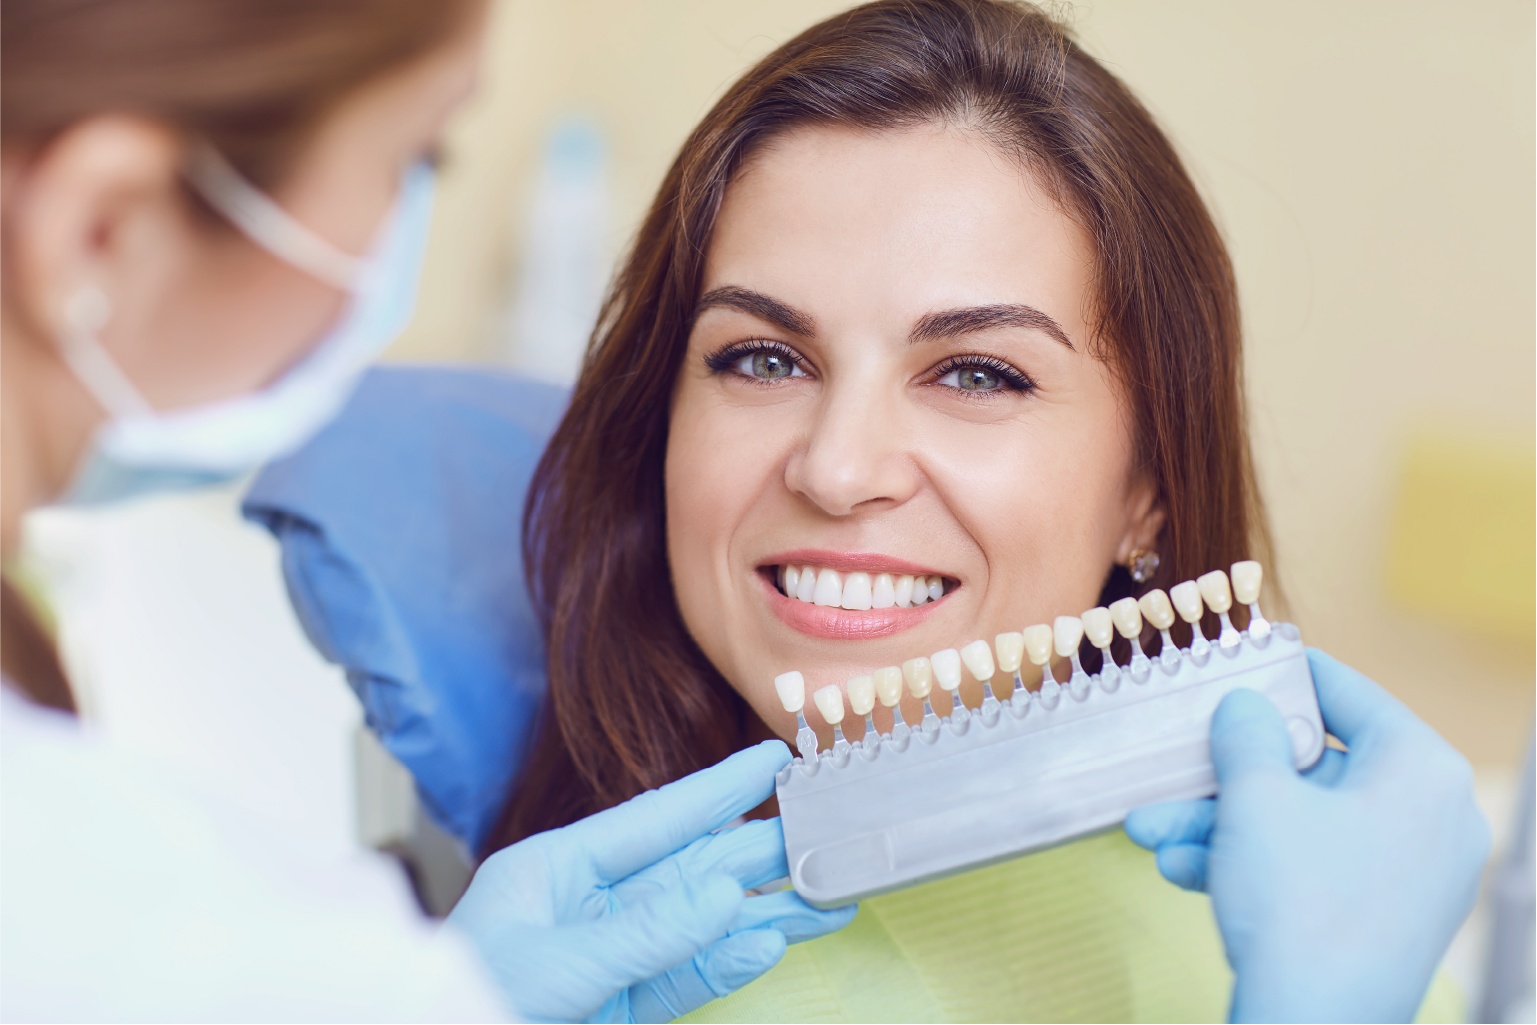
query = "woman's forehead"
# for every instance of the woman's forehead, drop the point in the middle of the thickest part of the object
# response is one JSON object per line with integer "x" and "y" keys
{"x": 896, "y": 224}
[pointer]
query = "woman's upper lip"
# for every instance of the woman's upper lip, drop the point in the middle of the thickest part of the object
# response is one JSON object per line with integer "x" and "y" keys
{"x": 849, "y": 562}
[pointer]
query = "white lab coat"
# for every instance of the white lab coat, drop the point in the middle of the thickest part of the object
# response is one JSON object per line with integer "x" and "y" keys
{"x": 127, "y": 893}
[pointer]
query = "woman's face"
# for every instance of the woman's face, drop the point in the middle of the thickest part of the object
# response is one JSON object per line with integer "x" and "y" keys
{"x": 890, "y": 372}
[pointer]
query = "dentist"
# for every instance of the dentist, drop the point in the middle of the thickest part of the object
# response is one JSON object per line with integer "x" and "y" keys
{"x": 213, "y": 218}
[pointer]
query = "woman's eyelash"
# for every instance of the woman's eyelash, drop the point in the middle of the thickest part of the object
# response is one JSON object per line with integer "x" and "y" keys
{"x": 726, "y": 357}
{"x": 1011, "y": 377}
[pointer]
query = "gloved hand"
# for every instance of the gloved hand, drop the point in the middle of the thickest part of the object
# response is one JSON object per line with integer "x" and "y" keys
{"x": 1338, "y": 890}
{"x": 637, "y": 913}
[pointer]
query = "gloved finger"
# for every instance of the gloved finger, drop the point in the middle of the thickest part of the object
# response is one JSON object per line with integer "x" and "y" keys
{"x": 1248, "y": 735}
{"x": 637, "y": 943}
{"x": 1156, "y": 825}
{"x": 1184, "y": 865}
{"x": 625, "y": 839}
{"x": 752, "y": 854}
{"x": 723, "y": 967}
{"x": 787, "y": 913}
{"x": 1327, "y": 770}
{"x": 1351, "y": 704}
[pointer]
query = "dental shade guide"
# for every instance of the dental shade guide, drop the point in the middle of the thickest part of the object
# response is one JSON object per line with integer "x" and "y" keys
{"x": 1067, "y": 634}
{"x": 1049, "y": 772}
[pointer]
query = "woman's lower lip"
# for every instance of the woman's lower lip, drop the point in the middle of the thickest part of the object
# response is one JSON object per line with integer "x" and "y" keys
{"x": 843, "y": 624}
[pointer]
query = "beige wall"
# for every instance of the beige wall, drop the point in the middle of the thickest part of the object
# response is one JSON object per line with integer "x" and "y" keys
{"x": 1372, "y": 166}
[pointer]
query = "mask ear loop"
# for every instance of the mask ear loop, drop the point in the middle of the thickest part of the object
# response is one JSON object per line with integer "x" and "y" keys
{"x": 85, "y": 314}
{"x": 266, "y": 223}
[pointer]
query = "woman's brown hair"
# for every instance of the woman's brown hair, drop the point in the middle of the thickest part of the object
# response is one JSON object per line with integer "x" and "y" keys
{"x": 632, "y": 702}
{"x": 253, "y": 77}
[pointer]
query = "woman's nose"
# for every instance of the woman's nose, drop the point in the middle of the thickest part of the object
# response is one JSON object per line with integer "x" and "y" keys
{"x": 855, "y": 454}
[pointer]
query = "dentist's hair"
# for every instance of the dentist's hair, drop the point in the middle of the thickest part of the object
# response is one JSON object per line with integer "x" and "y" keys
{"x": 254, "y": 77}
{"x": 633, "y": 702}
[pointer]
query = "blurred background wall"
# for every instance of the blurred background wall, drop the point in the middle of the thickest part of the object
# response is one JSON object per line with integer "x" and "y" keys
{"x": 1371, "y": 164}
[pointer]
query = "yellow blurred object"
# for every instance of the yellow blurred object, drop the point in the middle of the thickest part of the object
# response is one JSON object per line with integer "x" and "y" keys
{"x": 1462, "y": 544}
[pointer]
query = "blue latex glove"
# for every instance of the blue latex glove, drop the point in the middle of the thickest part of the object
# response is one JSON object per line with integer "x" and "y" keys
{"x": 1338, "y": 890}
{"x": 637, "y": 913}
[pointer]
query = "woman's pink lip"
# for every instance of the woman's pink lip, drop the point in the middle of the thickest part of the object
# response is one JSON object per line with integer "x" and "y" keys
{"x": 849, "y": 562}
{"x": 843, "y": 624}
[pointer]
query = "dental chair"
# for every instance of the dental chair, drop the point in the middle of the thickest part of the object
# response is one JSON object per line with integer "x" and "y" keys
{"x": 400, "y": 528}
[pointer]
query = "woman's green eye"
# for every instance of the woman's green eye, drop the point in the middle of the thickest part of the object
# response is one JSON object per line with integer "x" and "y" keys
{"x": 972, "y": 379}
{"x": 768, "y": 366}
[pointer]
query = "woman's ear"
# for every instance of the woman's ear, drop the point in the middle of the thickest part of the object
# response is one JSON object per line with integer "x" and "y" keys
{"x": 1145, "y": 518}
{"x": 96, "y": 206}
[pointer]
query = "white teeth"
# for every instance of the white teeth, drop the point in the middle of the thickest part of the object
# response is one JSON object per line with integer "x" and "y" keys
{"x": 979, "y": 660}
{"x": 806, "y": 587}
{"x": 1098, "y": 627}
{"x": 1156, "y": 607}
{"x": 919, "y": 676}
{"x": 947, "y": 668}
{"x": 861, "y": 690}
{"x": 829, "y": 589}
{"x": 1066, "y": 632}
{"x": 856, "y": 592}
{"x": 1214, "y": 588}
{"x": 1011, "y": 651}
{"x": 792, "y": 690}
{"x": 1128, "y": 618}
{"x": 1038, "y": 643}
{"x": 888, "y": 685}
{"x": 1187, "y": 600}
{"x": 830, "y": 703}
{"x": 1247, "y": 577}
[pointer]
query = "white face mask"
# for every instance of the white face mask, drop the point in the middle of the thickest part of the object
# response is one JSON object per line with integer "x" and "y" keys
{"x": 141, "y": 450}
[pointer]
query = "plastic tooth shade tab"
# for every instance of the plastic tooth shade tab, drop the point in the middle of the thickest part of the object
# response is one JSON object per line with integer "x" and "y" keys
{"x": 991, "y": 787}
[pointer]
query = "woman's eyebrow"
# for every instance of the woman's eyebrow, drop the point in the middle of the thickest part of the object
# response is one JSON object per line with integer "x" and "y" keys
{"x": 762, "y": 306}
{"x": 949, "y": 323}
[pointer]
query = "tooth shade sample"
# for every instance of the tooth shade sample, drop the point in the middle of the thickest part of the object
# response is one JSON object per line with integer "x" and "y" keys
{"x": 1066, "y": 632}
{"x": 1247, "y": 577}
{"x": 829, "y": 589}
{"x": 789, "y": 579}
{"x": 904, "y": 592}
{"x": 830, "y": 703}
{"x": 1215, "y": 589}
{"x": 888, "y": 685}
{"x": 792, "y": 690}
{"x": 1011, "y": 651}
{"x": 919, "y": 676}
{"x": 861, "y": 690}
{"x": 947, "y": 668}
{"x": 1155, "y": 606}
{"x": 806, "y": 587}
{"x": 883, "y": 594}
{"x": 1127, "y": 617}
{"x": 1038, "y": 644}
{"x": 1098, "y": 627}
{"x": 936, "y": 588}
{"x": 978, "y": 658}
{"x": 1187, "y": 600}
{"x": 856, "y": 591}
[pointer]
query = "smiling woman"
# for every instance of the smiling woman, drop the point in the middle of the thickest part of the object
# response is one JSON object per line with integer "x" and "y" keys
{"x": 927, "y": 336}
{"x": 926, "y": 295}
